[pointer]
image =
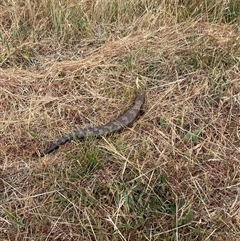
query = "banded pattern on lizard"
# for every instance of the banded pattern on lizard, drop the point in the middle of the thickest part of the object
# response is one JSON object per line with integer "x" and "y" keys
{"x": 122, "y": 121}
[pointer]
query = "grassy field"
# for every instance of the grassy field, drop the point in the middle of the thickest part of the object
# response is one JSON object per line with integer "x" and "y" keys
{"x": 174, "y": 174}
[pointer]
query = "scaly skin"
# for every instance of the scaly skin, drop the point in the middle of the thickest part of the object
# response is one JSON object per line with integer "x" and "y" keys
{"x": 122, "y": 121}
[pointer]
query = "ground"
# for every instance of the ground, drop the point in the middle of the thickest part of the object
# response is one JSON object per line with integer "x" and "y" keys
{"x": 174, "y": 173}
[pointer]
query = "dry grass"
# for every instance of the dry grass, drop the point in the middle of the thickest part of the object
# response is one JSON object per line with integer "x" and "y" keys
{"x": 174, "y": 175}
